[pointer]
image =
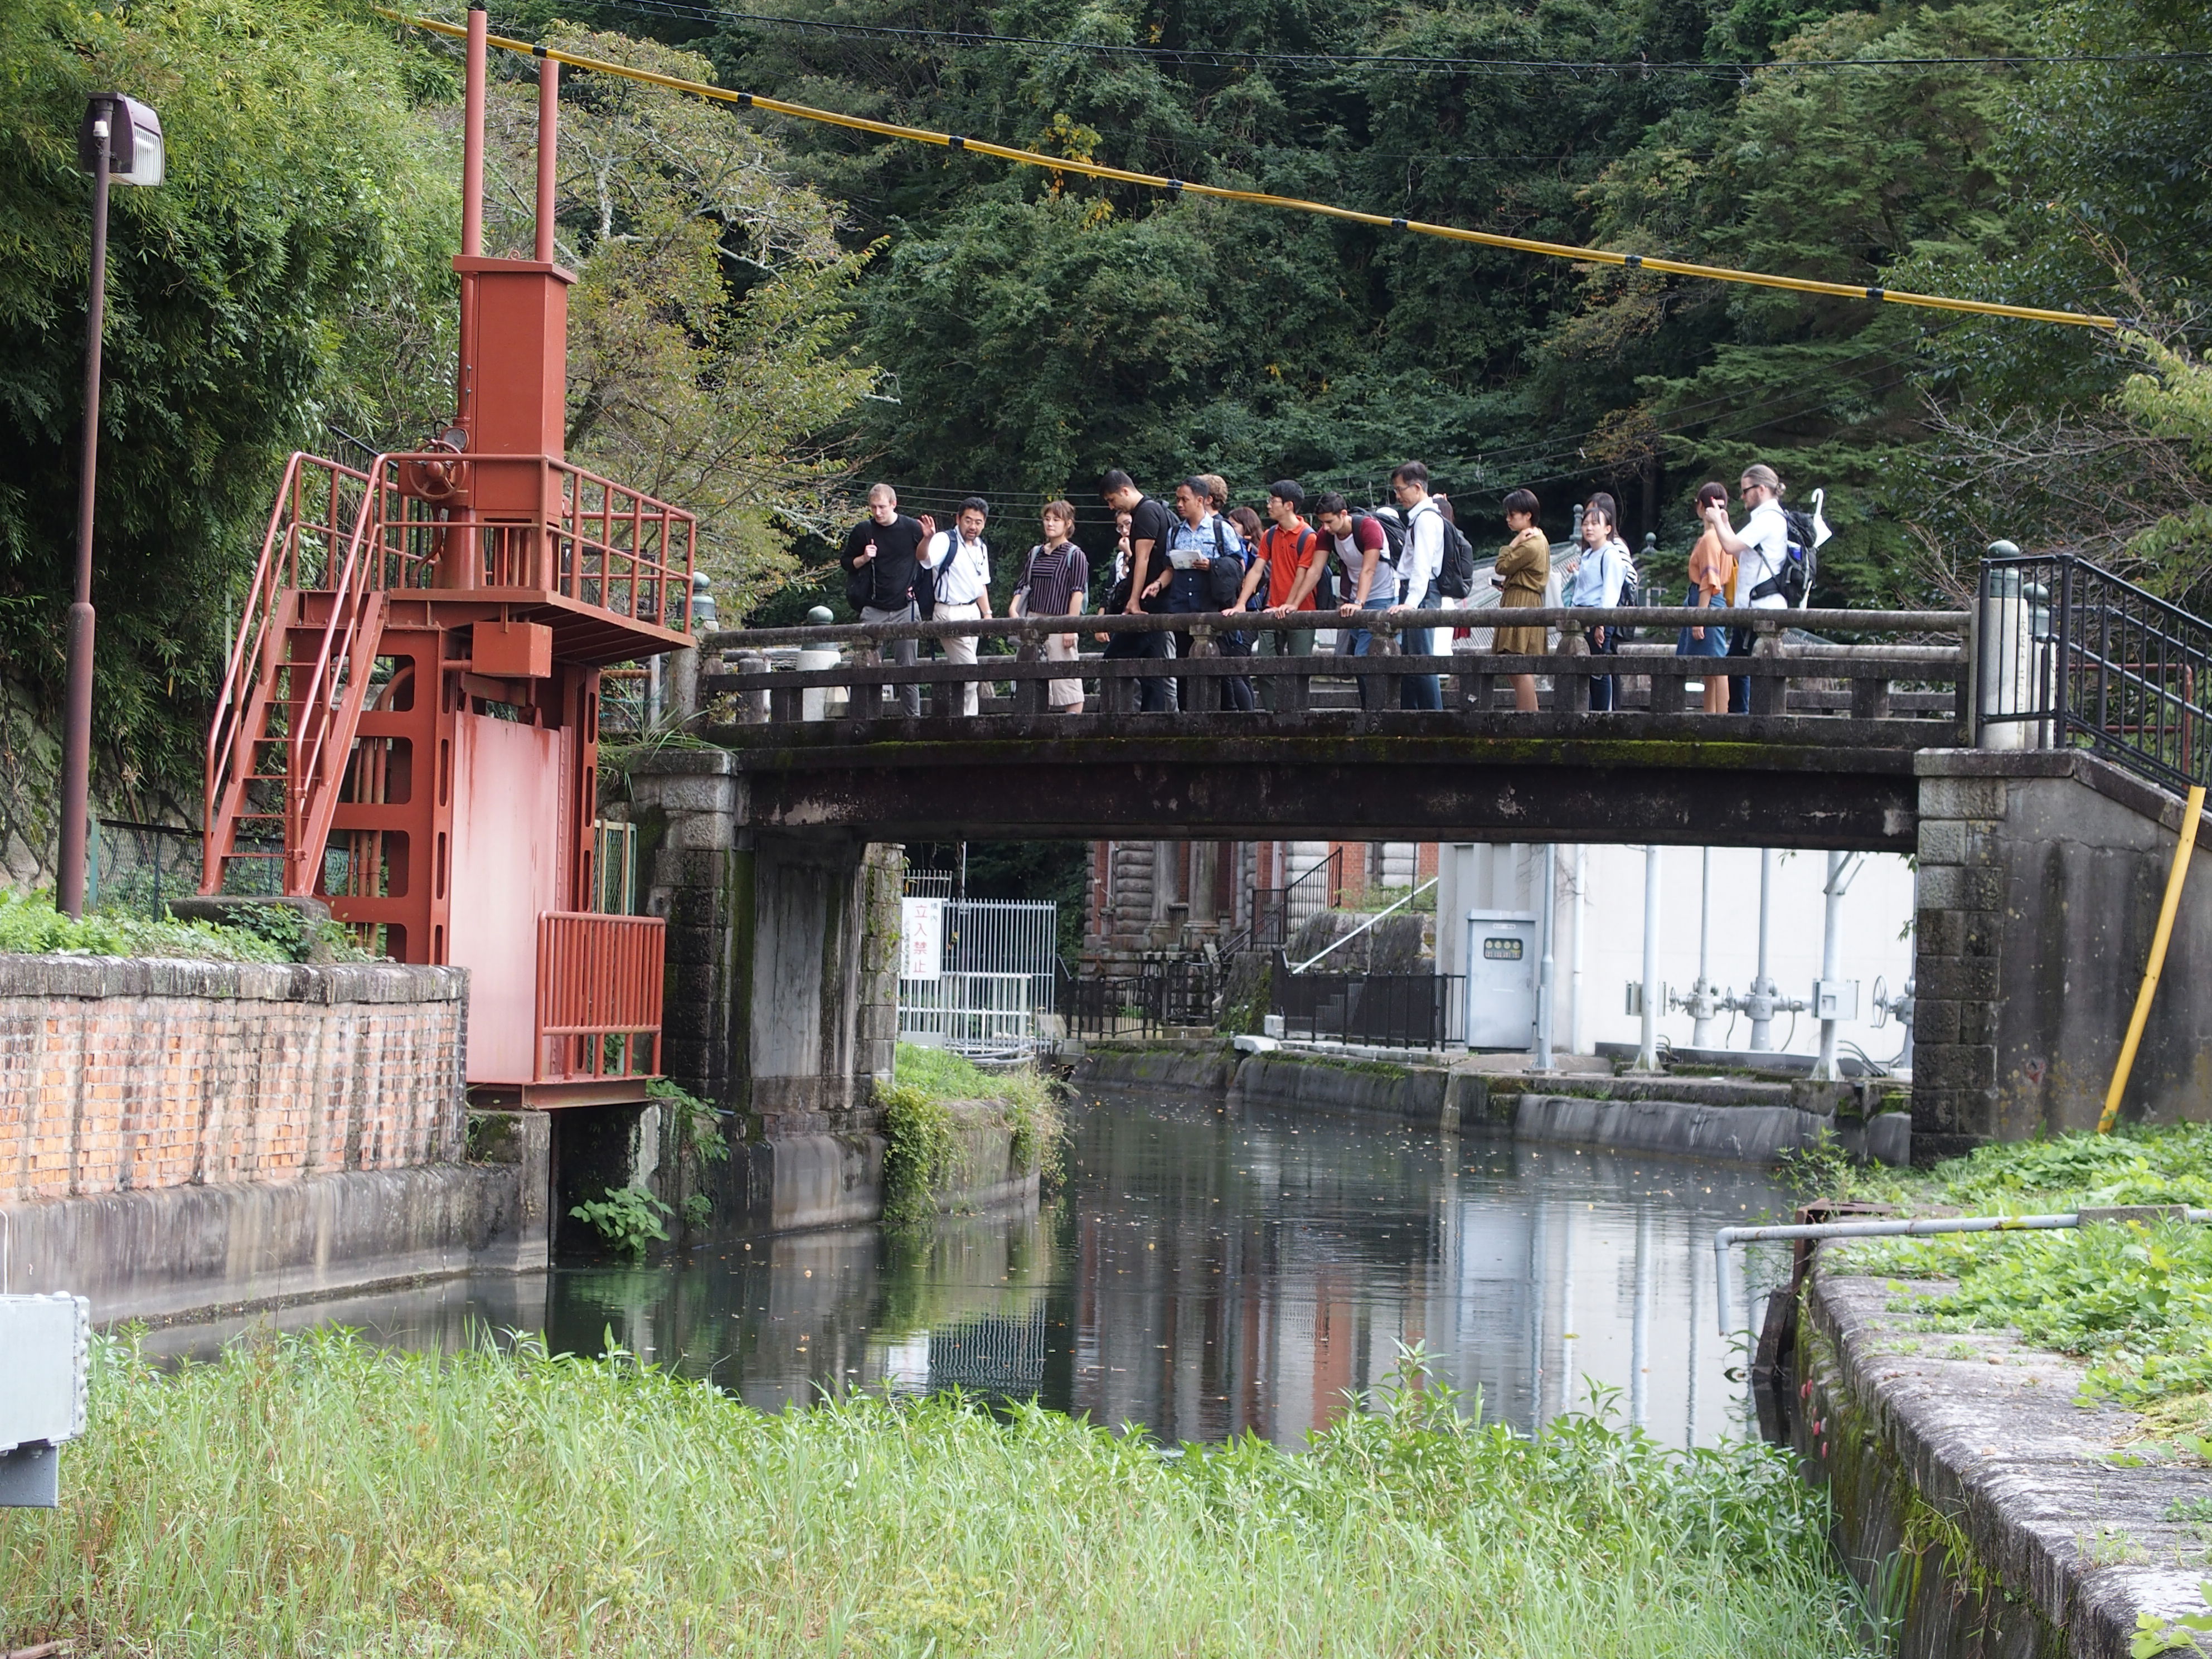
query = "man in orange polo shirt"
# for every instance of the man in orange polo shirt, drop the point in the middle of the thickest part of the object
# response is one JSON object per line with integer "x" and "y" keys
{"x": 1293, "y": 557}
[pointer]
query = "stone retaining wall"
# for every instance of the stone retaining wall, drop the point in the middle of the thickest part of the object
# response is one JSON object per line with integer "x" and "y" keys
{"x": 1988, "y": 1515}
{"x": 135, "y": 1075}
{"x": 1734, "y": 1120}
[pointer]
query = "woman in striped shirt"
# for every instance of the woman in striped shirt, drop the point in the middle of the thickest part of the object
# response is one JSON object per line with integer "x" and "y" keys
{"x": 1053, "y": 585}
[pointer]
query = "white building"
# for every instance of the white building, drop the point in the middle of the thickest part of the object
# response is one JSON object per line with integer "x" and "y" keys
{"x": 1598, "y": 942}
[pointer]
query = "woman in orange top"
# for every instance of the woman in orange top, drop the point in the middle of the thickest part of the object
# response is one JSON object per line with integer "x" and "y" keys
{"x": 1523, "y": 567}
{"x": 1712, "y": 573}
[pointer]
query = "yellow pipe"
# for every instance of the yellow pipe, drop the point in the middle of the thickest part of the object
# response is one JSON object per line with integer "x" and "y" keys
{"x": 2190, "y": 814}
{"x": 1258, "y": 198}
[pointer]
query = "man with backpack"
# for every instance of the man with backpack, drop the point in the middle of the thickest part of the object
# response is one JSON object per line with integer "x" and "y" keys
{"x": 881, "y": 561}
{"x": 1366, "y": 546}
{"x": 1763, "y": 577}
{"x": 1208, "y": 558}
{"x": 958, "y": 562}
{"x": 1419, "y": 565}
{"x": 1293, "y": 562}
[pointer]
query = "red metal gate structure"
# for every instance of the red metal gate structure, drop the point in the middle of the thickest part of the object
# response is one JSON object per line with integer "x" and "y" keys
{"x": 409, "y": 723}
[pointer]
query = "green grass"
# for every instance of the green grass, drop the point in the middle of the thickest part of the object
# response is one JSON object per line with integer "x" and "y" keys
{"x": 30, "y": 926}
{"x": 918, "y": 1125}
{"x": 312, "y": 1495}
{"x": 2134, "y": 1300}
{"x": 940, "y": 1074}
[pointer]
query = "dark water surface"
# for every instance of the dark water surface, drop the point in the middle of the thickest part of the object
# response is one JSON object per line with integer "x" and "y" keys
{"x": 1199, "y": 1273}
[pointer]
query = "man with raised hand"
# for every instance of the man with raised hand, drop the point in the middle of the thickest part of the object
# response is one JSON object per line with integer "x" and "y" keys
{"x": 960, "y": 559}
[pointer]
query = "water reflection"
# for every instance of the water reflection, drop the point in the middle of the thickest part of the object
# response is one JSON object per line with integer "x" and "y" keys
{"x": 1202, "y": 1274}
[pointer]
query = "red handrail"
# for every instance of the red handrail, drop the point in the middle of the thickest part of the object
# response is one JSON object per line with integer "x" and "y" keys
{"x": 599, "y": 982}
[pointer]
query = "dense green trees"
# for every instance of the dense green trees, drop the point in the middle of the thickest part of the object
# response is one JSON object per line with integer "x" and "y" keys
{"x": 1036, "y": 330}
{"x": 765, "y": 304}
{"x": 299, "y": 197}
{"x": 292, "y": 281}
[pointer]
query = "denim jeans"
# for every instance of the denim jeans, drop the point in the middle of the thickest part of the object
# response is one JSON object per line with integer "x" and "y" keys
{"x": 1602, "y": 686}
{"x": 1361, "y": 644}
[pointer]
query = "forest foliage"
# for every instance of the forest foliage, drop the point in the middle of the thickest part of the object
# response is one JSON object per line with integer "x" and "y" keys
{"x": 769, "y": 311}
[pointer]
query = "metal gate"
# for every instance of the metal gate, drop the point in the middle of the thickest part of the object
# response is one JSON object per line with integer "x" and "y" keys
{"x": 974, "y": 974}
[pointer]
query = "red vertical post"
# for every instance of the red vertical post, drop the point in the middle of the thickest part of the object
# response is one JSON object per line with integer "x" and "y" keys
{"x": 472, "y": 158}
{"x": 472, "y": 136}
{"x": 548, "y": 153}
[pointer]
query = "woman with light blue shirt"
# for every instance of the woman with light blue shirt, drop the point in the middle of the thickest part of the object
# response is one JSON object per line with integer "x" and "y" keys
{"x": 1599, "y": 573}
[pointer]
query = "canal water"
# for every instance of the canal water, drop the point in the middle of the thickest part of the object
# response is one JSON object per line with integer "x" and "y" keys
{"x": 1201, "y": 1273}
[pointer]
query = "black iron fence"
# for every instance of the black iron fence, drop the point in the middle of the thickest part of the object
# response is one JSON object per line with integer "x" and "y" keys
{"x": 1381, "y": 1010}
{"x": 1277, "y": 913}
{"x": 1153, "y": 996}
{"x": 2069, "y": 653}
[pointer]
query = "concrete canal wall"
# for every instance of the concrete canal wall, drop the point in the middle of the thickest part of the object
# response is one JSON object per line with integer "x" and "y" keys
{"x": 791, "y": 1181}
{"x": 1737, "y": 1120}
{"x": 1987, "y": 1515}
{"x": 178, "y": 1134}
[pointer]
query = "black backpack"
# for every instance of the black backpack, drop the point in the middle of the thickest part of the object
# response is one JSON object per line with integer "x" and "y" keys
{"x": 1455, "y": 572}
{"x": 1803, "y": 566}
{"x": 1224, "y": 573}
{"x": 1393, "y": 548}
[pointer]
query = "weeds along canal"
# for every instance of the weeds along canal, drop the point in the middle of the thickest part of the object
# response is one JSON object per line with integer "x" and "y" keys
{"x": 1200, "y": 1273}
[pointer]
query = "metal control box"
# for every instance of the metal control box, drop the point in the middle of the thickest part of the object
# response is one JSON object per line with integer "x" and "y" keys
{"x": 45, "y": 1344}
{"x": 1835, "y": 999}
{"x": 1502, "y": 953}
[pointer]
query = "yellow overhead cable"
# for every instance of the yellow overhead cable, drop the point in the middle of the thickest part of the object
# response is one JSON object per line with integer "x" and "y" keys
{"x": 1260, "y": 198}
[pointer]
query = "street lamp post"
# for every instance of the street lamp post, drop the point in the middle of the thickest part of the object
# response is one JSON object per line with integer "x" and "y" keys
{"x": 120, "y": 139}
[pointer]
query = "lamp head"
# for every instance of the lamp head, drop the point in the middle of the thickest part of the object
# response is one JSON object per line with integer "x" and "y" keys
{"x": 135, "y": 156}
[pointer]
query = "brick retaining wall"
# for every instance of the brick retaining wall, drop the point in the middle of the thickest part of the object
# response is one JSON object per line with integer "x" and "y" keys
{"x": 130, "y": 1075}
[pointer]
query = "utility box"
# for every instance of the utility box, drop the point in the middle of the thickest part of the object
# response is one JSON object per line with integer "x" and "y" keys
{"x": 1835, "y": 999}
{"x": 47, "y": 1340}
{"x": 1502, "y": 959}
{"x": 512, "y": 650}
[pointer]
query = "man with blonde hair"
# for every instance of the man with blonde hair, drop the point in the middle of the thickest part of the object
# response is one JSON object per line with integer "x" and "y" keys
{"x": 882, "y": 560}
{"x": 1761, "y": 553}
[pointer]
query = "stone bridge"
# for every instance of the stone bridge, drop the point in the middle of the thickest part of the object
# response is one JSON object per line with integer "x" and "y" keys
{"x": 1988, "y": 743}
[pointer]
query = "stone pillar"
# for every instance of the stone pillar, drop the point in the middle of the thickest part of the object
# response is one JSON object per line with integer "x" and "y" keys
{"x": 695, "y": 865}
{"x": 1958, "y": 893}
{"x": 782, "y": 950}
{"x": 2041, "y": 872}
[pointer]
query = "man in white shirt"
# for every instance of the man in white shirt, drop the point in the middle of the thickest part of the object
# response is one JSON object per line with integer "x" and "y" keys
{"x": 1418, "y": 563}
{"x": 960, "y": 561}
{"x": 1761, "y": 551}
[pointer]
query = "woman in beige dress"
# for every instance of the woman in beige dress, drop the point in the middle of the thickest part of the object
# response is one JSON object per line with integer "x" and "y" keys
{"x": 1523, "y": 567}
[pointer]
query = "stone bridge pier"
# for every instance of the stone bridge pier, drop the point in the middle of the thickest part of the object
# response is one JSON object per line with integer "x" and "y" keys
{"x": 2040, "y": 876}
{"x": 782, "y": 985}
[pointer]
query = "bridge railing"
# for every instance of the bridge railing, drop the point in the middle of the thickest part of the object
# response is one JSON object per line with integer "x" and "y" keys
{"x": 2073, "y": 655}
{"x": 838, "y": 672}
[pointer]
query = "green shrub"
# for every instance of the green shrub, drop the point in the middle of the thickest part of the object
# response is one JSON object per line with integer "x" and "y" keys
{"x": 628, "y": 1219}
{"x": 2135, "y": 1299}
{"x": 918, "y": 1151}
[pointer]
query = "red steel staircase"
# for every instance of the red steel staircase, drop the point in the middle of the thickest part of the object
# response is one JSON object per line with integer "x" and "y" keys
{"x": 291, "y": 701}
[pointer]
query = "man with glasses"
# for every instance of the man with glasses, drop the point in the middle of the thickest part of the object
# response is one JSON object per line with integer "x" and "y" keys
{"x": 1761, "y": 552}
